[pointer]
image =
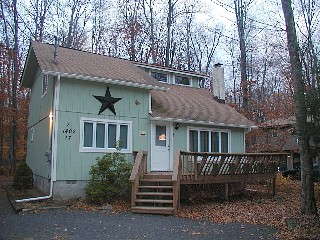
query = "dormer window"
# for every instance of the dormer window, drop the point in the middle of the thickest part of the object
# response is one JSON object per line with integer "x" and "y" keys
{"x": 44, "y": 85}
{"x": 182, "y": 80}
{"x": 161, "y": 77}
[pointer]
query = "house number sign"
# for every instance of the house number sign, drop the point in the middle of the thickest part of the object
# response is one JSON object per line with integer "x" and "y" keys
{"x": 68, "y": 132}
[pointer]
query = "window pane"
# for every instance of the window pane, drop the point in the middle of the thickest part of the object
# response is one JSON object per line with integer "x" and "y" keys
{"x": 161, "y": 138}
{"x": 88, "y": 134}
{"x": 182, "y": 80}
{"x": 112, "y": 133}
{"x": 100, "y": 135}
{"x": 161, "y": 77}
{"x": 193, "y": 141}
{"x": 224, "y": 142}
{"x": 214, "y": 142}
{"x": 204, "y": 141}
{"x": 123, "y": 144}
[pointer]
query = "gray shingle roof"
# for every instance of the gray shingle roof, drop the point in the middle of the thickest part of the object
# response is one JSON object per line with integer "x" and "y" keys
{"x": 187, "y": 104}
{"x": 85, "y": 64}
{"x": 178, "y": 103}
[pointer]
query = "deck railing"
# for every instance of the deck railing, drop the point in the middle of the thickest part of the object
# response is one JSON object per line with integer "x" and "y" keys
{"x": 195, "y": 165}
{"x": 139, "y": 168}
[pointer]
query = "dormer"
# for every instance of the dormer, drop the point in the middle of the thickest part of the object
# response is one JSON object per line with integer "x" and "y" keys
{"x": 174, "y": 76}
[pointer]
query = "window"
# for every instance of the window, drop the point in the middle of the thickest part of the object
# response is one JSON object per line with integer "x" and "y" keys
{"x": 101, "y": 135}
{"x": 44, "y": 85}
{"x": 182, "y": 80}
{"x": 207, "y": 140}
{"x": 161, "y": 77}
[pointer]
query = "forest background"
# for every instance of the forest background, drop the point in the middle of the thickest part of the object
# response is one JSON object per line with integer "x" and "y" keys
{"x": 247, "y": 36}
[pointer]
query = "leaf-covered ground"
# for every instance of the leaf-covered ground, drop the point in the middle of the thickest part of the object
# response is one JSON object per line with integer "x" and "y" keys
{"x": 258, "y": 206}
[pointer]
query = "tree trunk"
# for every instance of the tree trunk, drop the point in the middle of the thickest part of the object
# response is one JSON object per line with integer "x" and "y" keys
{"x": 238, "y": 4}
{"x": 308, "y": 203}
{"x": 14, "y": 128}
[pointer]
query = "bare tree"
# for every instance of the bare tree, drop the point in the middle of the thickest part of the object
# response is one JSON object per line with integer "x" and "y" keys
{"x": 308, "y": 203}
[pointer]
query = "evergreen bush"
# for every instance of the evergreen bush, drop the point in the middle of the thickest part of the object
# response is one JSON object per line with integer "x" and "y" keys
{"x": 23, "y": 178}
{"x": 109, "y": 179}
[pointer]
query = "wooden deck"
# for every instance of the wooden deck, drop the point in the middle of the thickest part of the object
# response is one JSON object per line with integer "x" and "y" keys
{"x": 160, "y": 192}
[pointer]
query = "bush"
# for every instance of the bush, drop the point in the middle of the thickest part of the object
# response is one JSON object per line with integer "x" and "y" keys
{"x": 23, "y": 178}
{"x": 109, "y": 179}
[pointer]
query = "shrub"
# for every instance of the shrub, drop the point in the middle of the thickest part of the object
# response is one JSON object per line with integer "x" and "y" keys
{"x": 23, "y": 178}
{"x": 109, "y": 179}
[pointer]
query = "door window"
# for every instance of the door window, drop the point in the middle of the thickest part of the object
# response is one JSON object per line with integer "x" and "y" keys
{"x": 161, "y": 136}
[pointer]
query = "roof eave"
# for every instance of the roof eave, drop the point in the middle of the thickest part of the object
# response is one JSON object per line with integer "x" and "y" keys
{"x": 106, "y": 80}
{"x": 191, "y": 121}
{"x": 171, "y": 70}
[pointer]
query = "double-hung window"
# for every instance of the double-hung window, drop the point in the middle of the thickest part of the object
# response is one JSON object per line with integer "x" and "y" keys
{"x": 208, "y": 140}
{"x": 102, "y": 135}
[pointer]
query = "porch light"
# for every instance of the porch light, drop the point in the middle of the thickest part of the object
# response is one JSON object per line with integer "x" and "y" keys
{"x": 51, "y": 117}
{"x": 177, "y": 126}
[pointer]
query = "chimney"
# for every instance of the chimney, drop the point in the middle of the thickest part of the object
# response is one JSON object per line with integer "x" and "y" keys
{"x": 55, "y": 50}
{"x": 218, "y": 82}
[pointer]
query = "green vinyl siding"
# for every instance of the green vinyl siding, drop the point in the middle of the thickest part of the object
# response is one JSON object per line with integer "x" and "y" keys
{"x": 39, "y": 126}
{"x": 237, "y": 140}
{"x": 77, "y": 101}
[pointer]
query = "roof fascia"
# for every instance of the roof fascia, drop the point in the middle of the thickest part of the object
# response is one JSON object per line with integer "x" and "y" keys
{"x": 105, "y": 80}
{"x": 203, "y": 122}
{"x": 25, "y": 66}
{"x": 171, "y": 70}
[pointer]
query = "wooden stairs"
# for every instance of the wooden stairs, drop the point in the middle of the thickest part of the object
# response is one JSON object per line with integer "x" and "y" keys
{"x": 154, "y": 194}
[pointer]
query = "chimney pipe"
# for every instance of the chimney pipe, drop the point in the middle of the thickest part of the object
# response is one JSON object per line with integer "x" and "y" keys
{"x": 218, "y": 82}
{"x": 55, "y": 49}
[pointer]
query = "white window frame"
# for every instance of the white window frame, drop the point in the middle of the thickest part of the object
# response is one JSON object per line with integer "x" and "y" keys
{"x": 158, "y": 72}
{"x": 210, "y": 130}
{"x": 183, "y": 76}
{"x": 104, "y": 121}
{"x": 44, "y": 85}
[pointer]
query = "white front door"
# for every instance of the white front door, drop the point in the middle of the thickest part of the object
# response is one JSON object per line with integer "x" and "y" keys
{"x": 160, "y": 157}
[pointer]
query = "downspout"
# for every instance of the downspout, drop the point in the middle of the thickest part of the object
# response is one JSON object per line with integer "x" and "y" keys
{"x": 53, "y": 157}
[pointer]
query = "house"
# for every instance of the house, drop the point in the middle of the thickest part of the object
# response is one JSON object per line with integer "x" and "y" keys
{"x": 279, "y": 135}
{"x": 83, "y": 105}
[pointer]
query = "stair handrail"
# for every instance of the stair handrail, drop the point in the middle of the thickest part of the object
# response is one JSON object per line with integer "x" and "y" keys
{"x": 138, "y": 169}
{"x": 176, "y": 181}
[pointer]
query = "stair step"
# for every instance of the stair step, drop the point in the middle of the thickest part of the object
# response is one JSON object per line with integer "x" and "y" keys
{"x": 153, "y": 210}
{"x": 157, "y": 187}
{"x": 154, "y": 194}
{"x": 157, "y": 176}
{"x": 155, "y": 180}
{"x": 153, "y": 201}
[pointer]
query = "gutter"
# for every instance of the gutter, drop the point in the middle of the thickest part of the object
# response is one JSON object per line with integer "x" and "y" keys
{"x": 52, "y": 141}
{"x": 199, "y": 122}
{"x": 106, "y": 80}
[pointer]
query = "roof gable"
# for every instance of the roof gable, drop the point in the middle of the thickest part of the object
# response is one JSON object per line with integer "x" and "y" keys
{"x": 85, "y": 65}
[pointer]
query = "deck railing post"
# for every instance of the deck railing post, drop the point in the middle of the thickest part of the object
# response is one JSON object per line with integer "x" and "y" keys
{"x": 195, "y": 167}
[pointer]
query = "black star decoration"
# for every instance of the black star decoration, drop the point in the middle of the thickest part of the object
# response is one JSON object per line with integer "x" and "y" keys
{"x": 107, "y": 102}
